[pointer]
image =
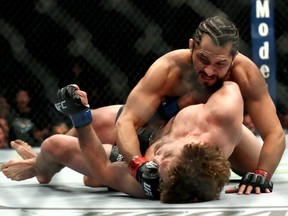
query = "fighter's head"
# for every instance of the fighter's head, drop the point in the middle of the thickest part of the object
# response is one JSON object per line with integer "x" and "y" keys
{"x": 213, "y": 47}
{"x": 220, "y": 30}
{"x": 197, "y": 174}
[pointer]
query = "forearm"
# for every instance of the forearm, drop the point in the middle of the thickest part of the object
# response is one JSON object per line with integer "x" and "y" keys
{"x": 269, "y": 129}
{"x": 127, "y": 141}
{"x": 271, "y": 153}
{"x": 93, "y": 151}
{"x": 114, "y": 175}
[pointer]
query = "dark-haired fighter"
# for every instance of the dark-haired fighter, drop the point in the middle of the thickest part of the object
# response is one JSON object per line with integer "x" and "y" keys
{"x": 188, "y": 76}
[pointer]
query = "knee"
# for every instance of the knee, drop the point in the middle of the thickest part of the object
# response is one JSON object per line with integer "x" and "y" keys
{"x": 50, "y": 144}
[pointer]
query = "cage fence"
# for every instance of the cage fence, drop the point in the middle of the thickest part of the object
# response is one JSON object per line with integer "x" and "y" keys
{"x": 106, "y": 46}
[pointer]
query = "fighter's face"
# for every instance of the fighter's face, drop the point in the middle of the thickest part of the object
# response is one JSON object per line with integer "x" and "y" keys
{"x": 167, "y": 153}
{"x": 211, "y": 62}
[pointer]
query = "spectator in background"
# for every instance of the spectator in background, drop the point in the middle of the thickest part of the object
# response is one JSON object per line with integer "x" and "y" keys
{"x": 4, "y": 107}
{"x": 5, "y": 118}
{"x": 22, "y": 124}
{"x": 4, "y": 123}
{"x": 60, "y": 127}
{"x": 4, "y": 134}
{"x": 27, "y": 124}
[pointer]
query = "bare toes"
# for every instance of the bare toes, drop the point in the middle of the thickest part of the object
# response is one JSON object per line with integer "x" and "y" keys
{"x": 23, "y": 149}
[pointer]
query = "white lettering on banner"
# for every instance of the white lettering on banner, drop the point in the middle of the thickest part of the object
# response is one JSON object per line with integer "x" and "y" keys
{"x": 263, "y": 29}
{"x": 265, "y": 70}
{"x": 264, "y": 51}
{"x": 263, "y": 11}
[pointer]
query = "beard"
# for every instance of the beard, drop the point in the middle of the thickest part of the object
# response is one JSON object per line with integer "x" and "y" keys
{"x": 217, "y": 85}
{"x": 205, "y": 87}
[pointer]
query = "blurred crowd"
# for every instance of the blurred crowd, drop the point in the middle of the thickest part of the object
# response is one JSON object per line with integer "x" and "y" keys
{"x": 20, "y": 120}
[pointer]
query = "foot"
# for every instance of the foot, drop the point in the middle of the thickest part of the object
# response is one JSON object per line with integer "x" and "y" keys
{"x": 19, "y": 170}
{"x": 23, "y": 149}
{"x": 22, "y": 170}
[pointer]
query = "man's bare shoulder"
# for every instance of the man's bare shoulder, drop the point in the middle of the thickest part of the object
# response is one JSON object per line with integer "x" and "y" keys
{"x": 245, "y": 72}
{"x": 242, "y": 62}
{"x": 170, "y": 64}
{"x": 174, "y": 61}
{"x": 177, "y": 54}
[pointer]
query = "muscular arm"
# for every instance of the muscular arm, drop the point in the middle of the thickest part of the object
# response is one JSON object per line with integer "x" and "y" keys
{"x": 263, "y": 114}
{"x": 141, "y": 104}
{"x": 72, "y": 101}
{"x": 114, "y": 175}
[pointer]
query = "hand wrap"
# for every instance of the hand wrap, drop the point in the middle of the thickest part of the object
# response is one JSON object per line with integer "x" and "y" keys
{"x": 146, "y": 173}
{"x": 258, "y": 178}
{"x": 69, "y": 102}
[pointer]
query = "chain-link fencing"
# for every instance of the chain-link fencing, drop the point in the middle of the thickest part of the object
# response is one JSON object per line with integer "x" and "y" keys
{"x": 106, "y": 46}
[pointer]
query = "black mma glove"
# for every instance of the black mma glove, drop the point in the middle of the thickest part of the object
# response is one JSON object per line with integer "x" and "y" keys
{"x": 146, "y": 173}
{"x": 69, "y": 102}
{"x": 257, "y": 178}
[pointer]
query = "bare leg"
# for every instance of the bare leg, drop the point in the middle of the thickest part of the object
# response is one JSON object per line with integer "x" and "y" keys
{"x": 54, "y": 155}
{"x": 103, "y": 123}
{"x": 19, "y": 170}
{"x": 56, "y": 152}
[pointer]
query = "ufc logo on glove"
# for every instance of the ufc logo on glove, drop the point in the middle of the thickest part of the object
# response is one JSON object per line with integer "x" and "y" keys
{"x": 61, "y": 105}
{"x": 147, "y": 189}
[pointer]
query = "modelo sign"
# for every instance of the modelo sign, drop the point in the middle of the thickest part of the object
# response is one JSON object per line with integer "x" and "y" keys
{"x": 262, "y": 30}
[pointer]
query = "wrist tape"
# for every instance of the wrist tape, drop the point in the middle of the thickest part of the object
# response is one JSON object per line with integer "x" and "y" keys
{"x": 135, "y": 163}
{"x": 82, "y": 118}
{"x": 263, "y": 173}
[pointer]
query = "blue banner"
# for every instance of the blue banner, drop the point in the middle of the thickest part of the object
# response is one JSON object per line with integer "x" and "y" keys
{"x": 263, "y": 42}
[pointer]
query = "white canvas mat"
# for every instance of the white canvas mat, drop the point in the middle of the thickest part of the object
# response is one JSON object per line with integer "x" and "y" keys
{"x": 66, "y": 195}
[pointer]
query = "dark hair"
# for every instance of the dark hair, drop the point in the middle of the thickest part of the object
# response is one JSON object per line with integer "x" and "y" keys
{"x": 199, "y": 175}
{"x": 220, "y": 30}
